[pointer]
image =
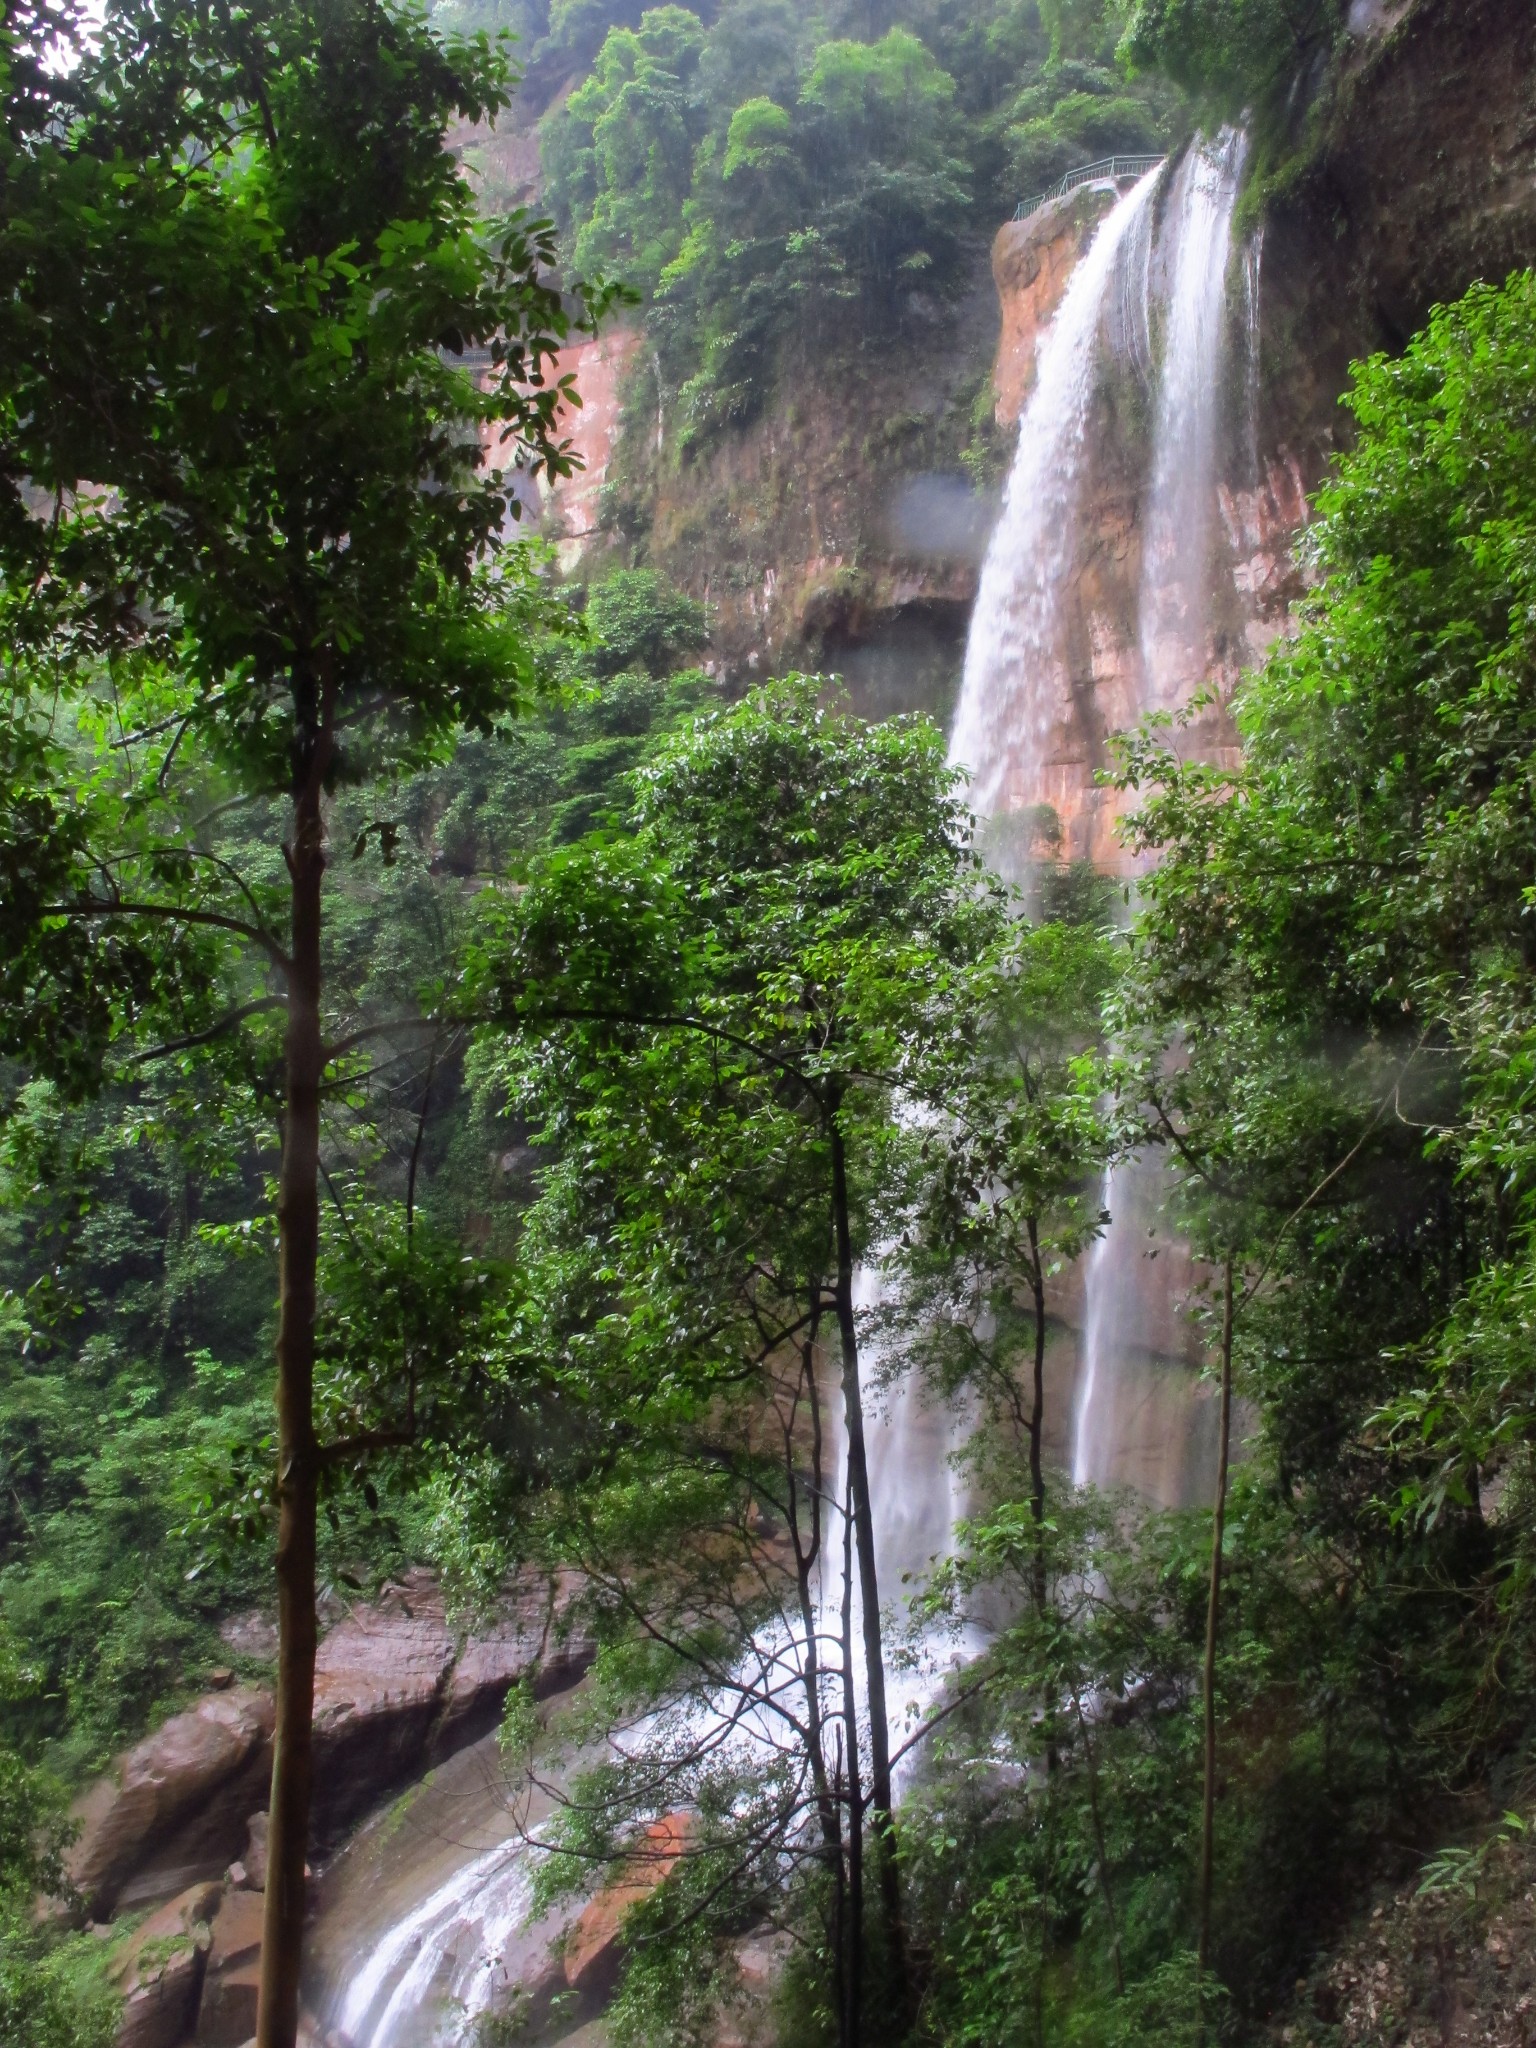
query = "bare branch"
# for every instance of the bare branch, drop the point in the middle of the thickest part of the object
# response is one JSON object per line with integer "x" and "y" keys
{"x": 225, "y": 1024}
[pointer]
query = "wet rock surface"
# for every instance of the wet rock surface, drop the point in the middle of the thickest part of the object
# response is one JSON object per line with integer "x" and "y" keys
{"x": 160, "y": 1970}
{"x": 396, "y": 1690}
{"x": 1032, "y": 264}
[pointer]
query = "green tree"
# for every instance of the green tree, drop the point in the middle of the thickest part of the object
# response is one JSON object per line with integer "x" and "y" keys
{"x": 1334, "y": 936}
{"x": 619, "y": 153}
{"x": 261, "y": 249}
{"x": 878, "y": 124}
{"x": 732, "y": 999}
{"x": 1233, "y": 55}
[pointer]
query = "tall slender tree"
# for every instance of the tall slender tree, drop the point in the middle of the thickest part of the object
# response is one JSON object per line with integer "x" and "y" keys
{"x": 799, "y": 897}
{"x": 257, "y": 495}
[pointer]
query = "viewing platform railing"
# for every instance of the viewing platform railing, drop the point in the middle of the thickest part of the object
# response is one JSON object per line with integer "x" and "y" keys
{"x": 1090, "y": 174}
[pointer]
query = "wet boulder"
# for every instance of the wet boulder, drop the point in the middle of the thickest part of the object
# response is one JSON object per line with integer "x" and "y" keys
{"x": 194, "y": 1779}
{"x": 160, "y": 1969}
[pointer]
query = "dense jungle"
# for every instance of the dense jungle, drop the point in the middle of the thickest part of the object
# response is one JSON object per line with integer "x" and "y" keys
{"x": 768, "y": 1024}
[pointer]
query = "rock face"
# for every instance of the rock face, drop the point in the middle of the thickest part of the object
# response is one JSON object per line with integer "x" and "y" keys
{"x": 796, "y": 525}
{"x": 395, "y": 1692}
{"x": 1425, "y": 183}
{"x": 161, "y": 1969}
{"x": 599, "y": 366}
{"x": 192, "y": 1782}
{"x": 594, "y": 1948}
{"x": 1032, "y": 264}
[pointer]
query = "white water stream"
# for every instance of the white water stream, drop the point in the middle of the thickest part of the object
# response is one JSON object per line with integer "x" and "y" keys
{"x": 1181, "y": 502}
{"x": 448, "y": 1948}
{"x": 430, "y": 1934}
{"x": 1015, "y": 674}
{"x": 1121, "y": 1430}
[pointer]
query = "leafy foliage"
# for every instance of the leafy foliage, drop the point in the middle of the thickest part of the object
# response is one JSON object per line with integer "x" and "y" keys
{"x": 1234, "y": 56}
{"x": 780, "y": 192}
{"x": 136, "y": 1251}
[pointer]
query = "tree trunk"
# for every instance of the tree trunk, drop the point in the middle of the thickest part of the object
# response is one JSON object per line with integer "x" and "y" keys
{"x": 853, "y": 1969}
{"x": 298, "y": 1215}
{"x": 807, "y": 1560}
{"x": 880, "y": 1808}
{"x": 1100, "y": 1847}
{"x": 1037, "y": 1418}
{"x": 1212, "y": 1623}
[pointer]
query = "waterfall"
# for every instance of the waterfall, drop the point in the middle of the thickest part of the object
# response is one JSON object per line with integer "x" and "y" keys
{"x": 1120, "y": 1391}
{"x": 1015, "y": 668}
{"x": 1134, "y": 1416}
{"x": 1141, "y": 1419}
{"x": 916, "y": 1498}
{"x": 1088, "y": 1446}
{"x": 1177, "y": 523}
{"x": 442, "y": 1958}
{"x": 442, "y": 1947}
{"x": 1253, "y": 266}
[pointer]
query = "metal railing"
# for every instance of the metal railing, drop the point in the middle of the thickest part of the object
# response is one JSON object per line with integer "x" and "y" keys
{"x": 1090, "y": 174}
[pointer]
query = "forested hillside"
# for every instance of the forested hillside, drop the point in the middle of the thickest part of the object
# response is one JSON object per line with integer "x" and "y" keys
{"x": 804, "y": 204}
{"x": 658, "y": 1146}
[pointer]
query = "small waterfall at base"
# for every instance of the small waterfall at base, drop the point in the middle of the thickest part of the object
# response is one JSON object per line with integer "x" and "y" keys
{"x": 1014, "y": 661}
{"x": 428, "y": 1930}
{"x": 1177, "y": 524}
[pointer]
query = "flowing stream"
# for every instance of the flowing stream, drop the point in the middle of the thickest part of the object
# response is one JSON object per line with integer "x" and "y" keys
{"x": 423, "y": 1928}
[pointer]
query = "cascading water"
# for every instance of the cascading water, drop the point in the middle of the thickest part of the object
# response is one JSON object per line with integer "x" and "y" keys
{"x": 1133, "y": 1419}
{"x": 1015, "y": 673}
{"x": 1141, "y": 1419}
{"x": 1179, "y": 516}
{"x": 1253, "y": 268}
{"x": 1121, "y": 1395}
{"x": 433, "y": 1937}
{"x": 916, "y": 1498}
{"x": 448, "y": 1949}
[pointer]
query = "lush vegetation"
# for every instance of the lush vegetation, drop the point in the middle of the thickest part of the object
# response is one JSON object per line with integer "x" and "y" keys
{"x": 414, "y": 967}
{"x": 782, "y": 186}
{"x": 1177, "y": 1768}
{"x": 1238, "y": 58}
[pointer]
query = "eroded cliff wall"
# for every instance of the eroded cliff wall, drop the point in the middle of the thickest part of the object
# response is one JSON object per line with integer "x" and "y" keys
{"x": 844, "y": 525}
{"x": 838, "y": 528}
